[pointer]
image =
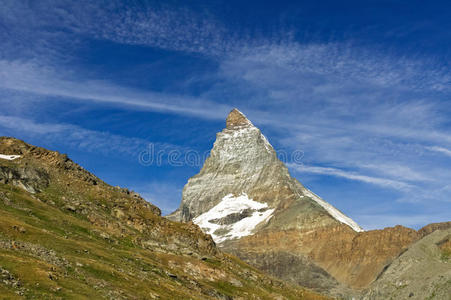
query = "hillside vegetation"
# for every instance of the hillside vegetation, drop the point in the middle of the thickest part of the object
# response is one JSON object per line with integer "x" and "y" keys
{"x": 65, "y": 234}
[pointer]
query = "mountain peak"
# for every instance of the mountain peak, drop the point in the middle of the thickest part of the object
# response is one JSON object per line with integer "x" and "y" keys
{"x": 237, "y": 119}
{"x": 243, "y": 162}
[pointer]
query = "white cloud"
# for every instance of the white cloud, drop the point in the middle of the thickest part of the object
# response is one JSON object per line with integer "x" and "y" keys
{"x": 396, "y": 171}
{"x": 399, "y": 185}
{"x": 364, "y": 110}
{"x": 43, "y": 80}
{"x": 441, "y": 150}
{"x": 175, "y": 28}
{"x": 290, "y": 64}
{"x": 78, "y": 137}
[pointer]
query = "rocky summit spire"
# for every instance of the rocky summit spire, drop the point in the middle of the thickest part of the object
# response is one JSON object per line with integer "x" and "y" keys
{"x": 244, "y": 191}
{"x": 237, "y": 119}
{"x": 243, "y": 162}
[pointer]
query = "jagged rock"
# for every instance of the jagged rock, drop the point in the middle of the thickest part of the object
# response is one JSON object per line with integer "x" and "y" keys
{"x": 237, "y": 119}
{"x": 28, "y": 178}
{"x": 428, "y": 229}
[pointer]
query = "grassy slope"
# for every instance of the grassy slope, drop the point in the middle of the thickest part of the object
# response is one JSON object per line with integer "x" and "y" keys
{"x": 52, "y": 252}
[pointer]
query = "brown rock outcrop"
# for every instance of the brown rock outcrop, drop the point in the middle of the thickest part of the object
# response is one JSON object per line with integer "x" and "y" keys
{"x": 428, "y": 229}
{"x": 352, "y": 258}
{"x": 236, "y": 119}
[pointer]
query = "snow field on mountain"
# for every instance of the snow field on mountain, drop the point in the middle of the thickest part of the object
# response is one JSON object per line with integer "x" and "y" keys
{"x": 232, "y": 205}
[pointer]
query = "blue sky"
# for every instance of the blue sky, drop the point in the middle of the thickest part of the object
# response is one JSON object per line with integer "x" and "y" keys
{"x": 362, "y": 88}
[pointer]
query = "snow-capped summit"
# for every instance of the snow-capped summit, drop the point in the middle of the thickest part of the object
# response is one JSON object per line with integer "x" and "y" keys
{"x": 243, "y": 162}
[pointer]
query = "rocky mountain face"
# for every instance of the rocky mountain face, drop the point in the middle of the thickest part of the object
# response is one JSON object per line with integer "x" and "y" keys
{"x": 66, "y": 234}
{"x": 243, "y": 164}
{"x": 353, "y": 259}
{"x": 245, "y": 198}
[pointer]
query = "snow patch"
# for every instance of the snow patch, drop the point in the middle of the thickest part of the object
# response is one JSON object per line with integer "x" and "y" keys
{"x": 338, "y": 215}
{"x": 231, "y": 205}
{"x": 9, "y": 157}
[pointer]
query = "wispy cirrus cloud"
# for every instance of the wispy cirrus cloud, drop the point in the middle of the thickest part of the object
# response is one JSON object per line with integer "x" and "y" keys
{"x": 396, "y": 170}
{"x": 349, "y": 65}
{"x": 441, "y": 150}
{"x": 164, "y": 26}
{"x": 45, "y": 81}
{"x": 341, "y": 143}
{"x": 399, "y": 185}
{"x": 80, "y": 138}
{"x": 366, "y": 114}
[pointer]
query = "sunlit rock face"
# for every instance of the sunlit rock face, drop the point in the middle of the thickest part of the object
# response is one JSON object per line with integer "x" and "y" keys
{"x": 242, "y": 161}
